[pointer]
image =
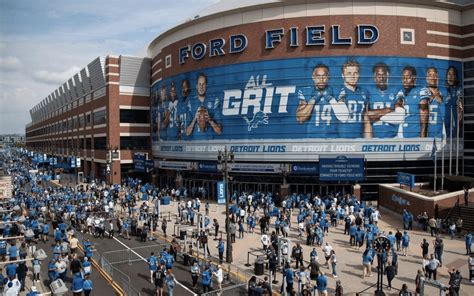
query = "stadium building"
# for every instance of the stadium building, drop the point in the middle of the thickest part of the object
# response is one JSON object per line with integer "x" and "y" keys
{"x": 314, "y": 96}
{"x": 96, "y": 122}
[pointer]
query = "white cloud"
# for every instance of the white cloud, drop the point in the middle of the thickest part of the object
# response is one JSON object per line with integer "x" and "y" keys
{"x": 55, "y": 77}
{"x": 9, "y": 63}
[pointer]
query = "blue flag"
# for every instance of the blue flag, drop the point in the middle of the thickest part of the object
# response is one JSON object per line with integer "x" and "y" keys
{"x": 433, "y": 151}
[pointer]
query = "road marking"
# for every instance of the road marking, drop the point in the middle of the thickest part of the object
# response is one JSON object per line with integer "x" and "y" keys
{"x": 141, "y": 257}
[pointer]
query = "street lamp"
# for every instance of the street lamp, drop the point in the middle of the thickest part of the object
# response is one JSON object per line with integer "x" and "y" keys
{"x": 224, "y": 157}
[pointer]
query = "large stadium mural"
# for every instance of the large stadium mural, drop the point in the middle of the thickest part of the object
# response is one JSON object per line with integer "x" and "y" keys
{"x": 384, "y": 107}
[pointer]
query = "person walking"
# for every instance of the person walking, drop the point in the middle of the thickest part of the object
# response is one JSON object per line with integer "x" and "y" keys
{"x": 158, "y": 278}
{"x": 390, "y": 272}
{"x": 433, "y": 265}
{"x": 468, "y": 243}
{"x": 455, "y": 279}
{"x": 322, "y": 284}
{"x": 220, "y": 248}
{"x": 87, "y": 285}
{"x": 170, "y": 282}
{"x": 367, "y": 263}
{"x": 195, "y": 272}
{"x": 333, "y": 260}
{"x": 405, "y": 243}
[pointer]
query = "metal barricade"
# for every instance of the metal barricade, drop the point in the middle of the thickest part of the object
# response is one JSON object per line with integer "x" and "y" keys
{"x": 234, "y": 290}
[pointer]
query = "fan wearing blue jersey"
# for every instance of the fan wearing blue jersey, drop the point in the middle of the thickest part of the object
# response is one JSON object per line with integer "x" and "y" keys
{"x": 316, "y": 105}
{"x": 162, "y": 114}
{"x": 434, "y": 108}
{"x": 206, "y": 112}
{"x": 384, "y": 110}
{"x": 356, "y": 99}
{"x": 454, "y": 104}
{"x": 172, "y": 123}
{"x": 183, "y": 109}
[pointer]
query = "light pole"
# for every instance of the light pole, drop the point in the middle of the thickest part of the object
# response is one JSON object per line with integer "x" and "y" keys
{"x": 224, "y": 157}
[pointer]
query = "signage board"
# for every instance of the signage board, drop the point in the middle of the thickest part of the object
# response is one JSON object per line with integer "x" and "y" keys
{"x": 220, "y": 192}
{"x": 342, "y": 168}
{"x": 406, "y": 179}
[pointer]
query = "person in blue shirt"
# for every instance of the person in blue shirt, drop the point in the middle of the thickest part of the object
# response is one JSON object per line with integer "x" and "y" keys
{"x": 3, "y": 249}
{"x": 152, "y": 265}
{"x": 316, "y": 106}
{"x": 52, "y": 271}
{"x": 170, "y": 282}
{"x": 169, "y": 260}
{"x": 468, "y": 243}
{"x": 11, "y": 270}
{"x": 12, "y": 252}
{"x": 383, "y": 101}
{"x": 45, "y": 232}
{"x": 205, "y": 112}
{"x": 289, "y": 275}
{"x": 405, "y": 243}
{"x": 220, "y": 249}
{"x": 87, "y": 285}
{"x": 206, "y": 278}
{"x": 433, "y": 109}
{"x": 77, "y": 285}
{"x": 322, "y": 283}
{"x": 367, "y": 262}
{"x": 356, "y": 99}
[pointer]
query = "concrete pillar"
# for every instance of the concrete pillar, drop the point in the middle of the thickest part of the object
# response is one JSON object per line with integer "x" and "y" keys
{"x": 356, "y": 192}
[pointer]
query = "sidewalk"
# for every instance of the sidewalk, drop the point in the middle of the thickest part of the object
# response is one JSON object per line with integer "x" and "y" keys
{"x": 349, "y": 267}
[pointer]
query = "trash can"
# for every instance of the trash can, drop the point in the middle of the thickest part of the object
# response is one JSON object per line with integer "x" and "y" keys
{"x": 259, "y": 266}
{"x": 182, "y": 234}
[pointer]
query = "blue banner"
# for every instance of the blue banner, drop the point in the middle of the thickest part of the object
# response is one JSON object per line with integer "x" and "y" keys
{"x": 221, "y": 192}
{"x": 305, "y": 168}
{"x": 406, "y": 179}
{"x": 341, "y": 168}
{"x": 207, "y": 167}
{"x": 296, "y": 99}
{"x": 139, "y": 163}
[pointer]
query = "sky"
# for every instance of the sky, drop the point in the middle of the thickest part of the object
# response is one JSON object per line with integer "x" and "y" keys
{"x": 43, "y": 43}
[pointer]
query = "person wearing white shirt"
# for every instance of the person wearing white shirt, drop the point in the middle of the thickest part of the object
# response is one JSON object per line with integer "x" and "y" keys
{"x": 219, "y": 277}
{"x": 327, "y": 252}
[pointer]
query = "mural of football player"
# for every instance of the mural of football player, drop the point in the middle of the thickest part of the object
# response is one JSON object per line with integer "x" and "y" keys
{"x": 163, "y": 115}
{"x": 384, "y": 110}
{"x": 318, "y": 107}
{"x": 172, "y": 117}
{"x": 183, "y": 109}
{"x": 355, "y": 98}
{"x": 204, "y": 111}
{"x": 433, "y": 108}
{"x": 454, "y": 103}
{"x": 413, "y": 101}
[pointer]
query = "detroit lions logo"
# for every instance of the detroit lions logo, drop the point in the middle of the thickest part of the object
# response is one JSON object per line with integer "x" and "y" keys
{"x": 259, "y": 117}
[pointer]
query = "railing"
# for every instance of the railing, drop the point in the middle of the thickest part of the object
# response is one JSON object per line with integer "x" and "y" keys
{"x": 120, "y": 278}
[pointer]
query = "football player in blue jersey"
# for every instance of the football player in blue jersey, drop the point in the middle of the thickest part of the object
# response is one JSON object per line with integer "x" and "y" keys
{"x": 355, "y": 98}
{"x": 172, "y": 123}
{"x": 384, "y": 110}
{"x": 454, "y": 104}
{"x": 204, "y": 111}
{"x": 183, "y": 109}
{"x": 162, "y": 114}
{"x": 316, "y": 103}
{"x": 434, "y": 108}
